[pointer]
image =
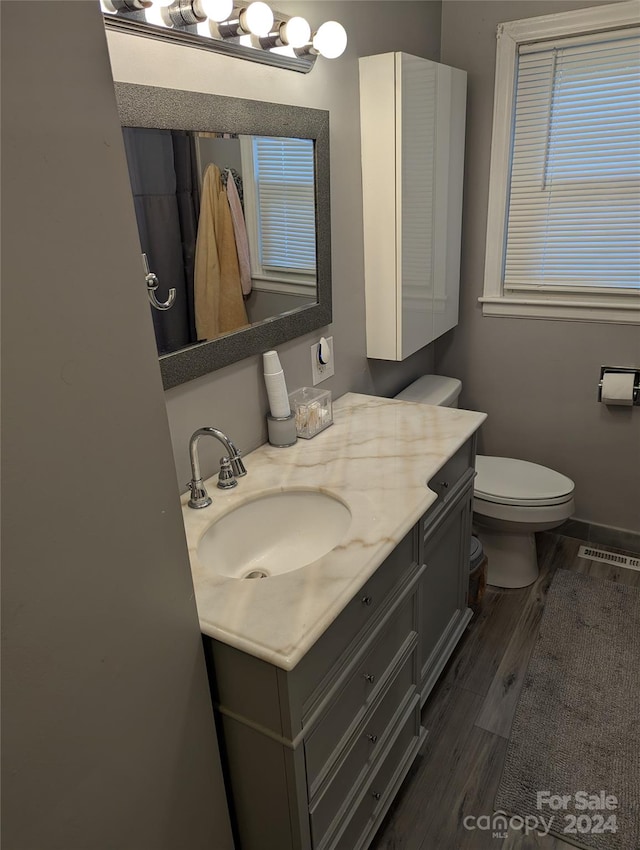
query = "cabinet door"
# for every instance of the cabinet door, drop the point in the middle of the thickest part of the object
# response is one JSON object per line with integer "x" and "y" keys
{"x": 443, "y": 594}
{"x": 412, "y": 124}
{"x": 416, "y": 80}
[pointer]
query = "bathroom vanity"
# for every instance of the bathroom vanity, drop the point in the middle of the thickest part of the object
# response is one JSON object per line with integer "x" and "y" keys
{"x": 319, "y": 674}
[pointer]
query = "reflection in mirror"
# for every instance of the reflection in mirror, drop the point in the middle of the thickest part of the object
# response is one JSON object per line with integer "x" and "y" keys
{"x": 232, "y": 205}
{"x": 226, "y": 220}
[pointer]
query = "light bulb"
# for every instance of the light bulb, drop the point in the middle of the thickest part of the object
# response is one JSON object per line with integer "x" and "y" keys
{"x": 296, "y": 32}
{"x": 331, "y": 40}
{"x": 107, "y": 7}
{"x": 154, "y": 15}
{"x": 215, "y": 10}
{"x": 257, "y": 18}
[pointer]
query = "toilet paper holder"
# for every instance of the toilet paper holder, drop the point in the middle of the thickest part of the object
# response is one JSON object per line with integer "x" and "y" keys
{"x": 622, "y": 370}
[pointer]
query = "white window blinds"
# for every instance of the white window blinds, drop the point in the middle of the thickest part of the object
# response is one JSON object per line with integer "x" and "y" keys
{"x": 284, "y": 176}
{"x": 574, "y": 199}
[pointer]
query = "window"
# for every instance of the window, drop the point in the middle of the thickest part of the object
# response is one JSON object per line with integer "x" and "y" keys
{"x": 280, "y": 212}
{"x": 563, "y": 235}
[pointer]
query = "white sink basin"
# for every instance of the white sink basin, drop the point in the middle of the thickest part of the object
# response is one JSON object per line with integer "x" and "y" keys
{"x": 274, "y": 534}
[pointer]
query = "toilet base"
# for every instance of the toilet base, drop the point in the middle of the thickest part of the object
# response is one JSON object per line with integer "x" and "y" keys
{"x": 512, "y": 558}
{"x": 507, "y": 533}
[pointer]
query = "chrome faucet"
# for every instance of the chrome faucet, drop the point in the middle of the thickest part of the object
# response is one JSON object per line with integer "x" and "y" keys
{"x": 231, "y": 467}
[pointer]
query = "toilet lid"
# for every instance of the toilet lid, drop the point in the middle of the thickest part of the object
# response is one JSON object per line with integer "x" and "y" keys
{"x": 506, "y": 481}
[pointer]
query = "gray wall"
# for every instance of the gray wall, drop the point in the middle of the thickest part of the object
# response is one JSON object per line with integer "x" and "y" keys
{"x": 536, "y": 379}
{"x": 108, "y": 735}
{"x": 234, "y": 398}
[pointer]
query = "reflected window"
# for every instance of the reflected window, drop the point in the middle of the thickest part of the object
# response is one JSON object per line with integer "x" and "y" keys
{"x": 280, "y": 210}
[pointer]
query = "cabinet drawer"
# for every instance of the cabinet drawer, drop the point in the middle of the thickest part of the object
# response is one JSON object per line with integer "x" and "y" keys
{"x": 321, "y": 665}
{"x": 371, "y": 806}
{"x": 370, "y": 672}
{"x": 364, "y": 748}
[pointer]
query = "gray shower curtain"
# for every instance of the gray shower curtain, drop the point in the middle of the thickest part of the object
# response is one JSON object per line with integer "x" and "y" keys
{"x": 164, "y": 180}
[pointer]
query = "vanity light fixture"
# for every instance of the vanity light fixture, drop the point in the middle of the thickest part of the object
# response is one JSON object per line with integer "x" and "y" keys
{"x": 253, "y": 19}
{"x": 187, "y": 13}
{"x": 294, "y": 33}
{"x": 256, "y": 18}
{"x": 250, "y": 30}
{"x": 156, "y": 14}
{"x": 330, "y": 41}
{"x": 214, "y": 10}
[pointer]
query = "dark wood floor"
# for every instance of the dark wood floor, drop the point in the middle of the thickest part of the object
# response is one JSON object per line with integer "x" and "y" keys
{"x": 469, "y": 716}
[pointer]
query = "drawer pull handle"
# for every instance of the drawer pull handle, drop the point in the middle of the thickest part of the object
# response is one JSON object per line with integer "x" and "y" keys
{"x": 376, "y": 795}
{"x": 367, "y": 600}
{"x": 444, "y": 484}
{"x": 372, "y": 738}
{"x": 370, "y": 677}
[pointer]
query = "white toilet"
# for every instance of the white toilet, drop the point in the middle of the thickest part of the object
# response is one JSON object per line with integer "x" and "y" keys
{"x": 512, "y": 498}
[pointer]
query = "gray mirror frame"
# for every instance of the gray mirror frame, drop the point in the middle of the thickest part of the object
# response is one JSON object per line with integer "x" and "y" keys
{"x": 172, "y": 109}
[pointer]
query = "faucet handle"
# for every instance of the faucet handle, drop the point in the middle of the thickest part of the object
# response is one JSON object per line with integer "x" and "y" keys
{"x": 236, "y": 461}
{"x": 226, "y": 478}
{"x": 238, "y": 466}
{"x": 199, "y": 497}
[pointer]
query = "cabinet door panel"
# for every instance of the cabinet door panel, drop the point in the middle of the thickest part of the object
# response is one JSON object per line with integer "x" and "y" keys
{"x": 417, "y": 81}
{"x": 443, "y": 589}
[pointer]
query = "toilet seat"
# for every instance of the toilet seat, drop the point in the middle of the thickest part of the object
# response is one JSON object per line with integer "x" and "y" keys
{"x": 506, "y": 481}
{"x": 530, "y": 516}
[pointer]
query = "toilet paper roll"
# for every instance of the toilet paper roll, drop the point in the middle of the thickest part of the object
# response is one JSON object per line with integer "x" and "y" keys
{"x": 617, "y": 388}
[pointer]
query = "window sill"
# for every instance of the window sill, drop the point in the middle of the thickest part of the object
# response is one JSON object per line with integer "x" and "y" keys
{"x": 284, "y": 286}
{"x": 567, "y": 311}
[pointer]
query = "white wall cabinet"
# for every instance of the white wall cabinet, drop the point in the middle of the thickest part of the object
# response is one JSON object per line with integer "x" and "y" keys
{"x": 412, "y": 118}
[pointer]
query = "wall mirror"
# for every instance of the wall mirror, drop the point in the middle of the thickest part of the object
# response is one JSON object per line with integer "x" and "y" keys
{"x": 232, "y": 206}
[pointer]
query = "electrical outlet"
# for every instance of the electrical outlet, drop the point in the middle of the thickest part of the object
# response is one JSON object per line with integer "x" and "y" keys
{"x": 321, "y": 371}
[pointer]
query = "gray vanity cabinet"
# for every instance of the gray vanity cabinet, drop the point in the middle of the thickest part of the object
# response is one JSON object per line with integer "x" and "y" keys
{"x": 314, "y": 756}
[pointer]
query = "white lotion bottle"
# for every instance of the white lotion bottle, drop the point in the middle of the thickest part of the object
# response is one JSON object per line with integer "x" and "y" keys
{"x": 276, "y": 386}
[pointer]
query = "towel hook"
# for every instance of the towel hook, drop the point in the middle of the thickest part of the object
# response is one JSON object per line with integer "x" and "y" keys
{"x": 152, "y": 284}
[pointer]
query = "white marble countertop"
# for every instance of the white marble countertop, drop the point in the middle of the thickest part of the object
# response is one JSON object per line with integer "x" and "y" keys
{"x": 376, "y": 458}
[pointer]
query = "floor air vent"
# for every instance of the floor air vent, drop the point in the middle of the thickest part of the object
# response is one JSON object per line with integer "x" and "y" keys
{"x": 609, "y": 558}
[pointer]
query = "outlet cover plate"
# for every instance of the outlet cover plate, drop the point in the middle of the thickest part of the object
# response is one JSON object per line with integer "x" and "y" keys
{"x": 319, "y": 372}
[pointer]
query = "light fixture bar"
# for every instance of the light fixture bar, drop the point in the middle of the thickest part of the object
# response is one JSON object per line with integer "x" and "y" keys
{"x": 134, "y": 26}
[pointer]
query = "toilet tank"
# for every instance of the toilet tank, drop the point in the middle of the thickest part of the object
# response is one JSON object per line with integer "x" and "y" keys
{"x": 433, "y": 389}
